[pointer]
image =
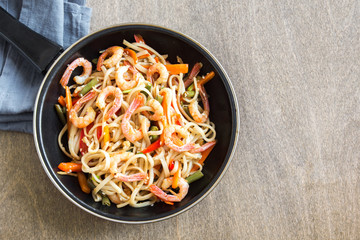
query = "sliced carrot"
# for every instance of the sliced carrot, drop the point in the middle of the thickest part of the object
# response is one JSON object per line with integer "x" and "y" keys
{"x": 61, "y": 101}
{"x": 70, "y": 167}
{"x": 132, "y": 54}
{"x": 176, "y": 178}
{"x": 207, "y": 78}
{"x": 204, "y": 155}
{"x": 170, "y": 203}
{"x": 106, "y": 135}
{"x": 68, "y": 99}
{"x": 143, "y": 56}
{"x": 156, "y": 59}
{"x": 177, "y": 68}
{"x": 146, "y": 66}
{"x": 83, "y": 182}
{"x": 68, "y": 102}
{"x": 164, "y": 120}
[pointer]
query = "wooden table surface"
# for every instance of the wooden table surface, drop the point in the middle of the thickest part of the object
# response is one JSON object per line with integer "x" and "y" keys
{"x": 295, "y": 175}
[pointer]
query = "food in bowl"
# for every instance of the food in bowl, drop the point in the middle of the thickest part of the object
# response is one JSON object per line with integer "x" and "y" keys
{"x": 137, "y": 127}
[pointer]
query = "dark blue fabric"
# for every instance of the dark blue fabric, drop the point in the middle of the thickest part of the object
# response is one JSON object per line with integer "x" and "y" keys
{"x": 62, "y": 21}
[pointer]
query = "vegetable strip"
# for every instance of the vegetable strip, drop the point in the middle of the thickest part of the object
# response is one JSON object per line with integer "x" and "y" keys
{"x": 204, "y": 155}
{"x": 195, "y": 176}
{"x": 177, "y": 68}
{"x": 70, "y": 167}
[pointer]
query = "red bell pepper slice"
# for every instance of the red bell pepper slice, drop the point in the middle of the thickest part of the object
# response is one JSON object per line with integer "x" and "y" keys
{"x": 152, "y": 147}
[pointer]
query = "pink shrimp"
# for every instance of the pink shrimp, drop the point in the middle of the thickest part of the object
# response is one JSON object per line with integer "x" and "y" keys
{"x": 116, "y": 53}
{"x": 78, "y": 79}
{"x": 123, "y": 177}
{"x": 125, "y": 84}
{"x": 158, "y": 110}
{"x": 194, "y": 110}
{"x": 115, "y": 159}
{"x": 81, "y": 122}
{"x": 183, "y": 190}
{"x": 157, "y": 68}
{"x": 118, "y": 97}
{"x": 203, "y": 147}
{"x": 129, "y": 132}
{"x": 169, "y": 130}
{"x": 130, "y": 178}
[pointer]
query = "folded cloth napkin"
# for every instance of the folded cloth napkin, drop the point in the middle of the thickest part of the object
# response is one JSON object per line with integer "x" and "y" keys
{"x": 62, "y": 21}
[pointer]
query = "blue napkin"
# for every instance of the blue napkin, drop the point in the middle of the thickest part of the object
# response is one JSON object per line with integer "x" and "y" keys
{"x": 62, "y": 21}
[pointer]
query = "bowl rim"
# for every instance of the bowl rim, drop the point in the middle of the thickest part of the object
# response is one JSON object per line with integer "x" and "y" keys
{"x": 230, "y": 156}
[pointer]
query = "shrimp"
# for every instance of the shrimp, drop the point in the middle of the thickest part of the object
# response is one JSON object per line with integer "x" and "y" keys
{"x": 118, "y": 158}
{"x": 129, "y": 132}
{"x": 169, "y": 130}
{"x": 183, "y": 190}
{"x": 118, "y": 97}
{"x": 203, "y": 147}
{"x": 78, "y": 79}
{"x": 114, "y": 198}
{"x": 130, "y": 178}
{"x": 157, "y": 68}
{"x": 124, "y": 84}
{"x": 116, "y": 54}
{"x": 81, "y": 122}
{"x": 194, "y": 110}
{"x": 123, "y": 177}
{"x": 158, "y": 110}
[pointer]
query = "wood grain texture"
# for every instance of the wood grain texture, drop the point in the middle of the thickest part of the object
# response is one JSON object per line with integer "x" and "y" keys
{"x": 295, "y": 175}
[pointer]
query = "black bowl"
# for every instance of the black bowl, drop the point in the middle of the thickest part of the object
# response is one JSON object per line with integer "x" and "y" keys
{"x": 223, "y": 112}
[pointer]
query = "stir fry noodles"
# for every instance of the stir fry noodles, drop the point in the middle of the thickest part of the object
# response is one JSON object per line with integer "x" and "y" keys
{"x": 136, "y": 127}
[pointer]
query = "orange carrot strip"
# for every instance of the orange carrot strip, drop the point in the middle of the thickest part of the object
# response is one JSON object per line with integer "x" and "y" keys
{"x": 68, "y": 102}
{"x": 144, "y": 56}
{"x": 146, "y": 66}
{"x": 170, "y": 203}
{"x": 83, "y": 183}
{"x": 207, "y": 78}
{"x": 156, "y": 59}
{"x": 61, "y": 101}
{"x": 177, "y": 68}
{"x": 70, "y": 167}
{"x": 68, "y": 99}
{"x": 106, "y": 135}
{"x": 204, "y": 155}
{"x": 165, "y": 118}
{"x": 176, "y": 178}
{"x": 132, "y": 54}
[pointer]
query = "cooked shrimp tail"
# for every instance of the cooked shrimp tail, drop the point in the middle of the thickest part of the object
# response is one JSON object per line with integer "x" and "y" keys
{"x": 78, "y": 79}
{"x": 160, "y": 69}
{"x": 194, "y": 109}
{"x": 183, "y": 190}
{"x": 81, "y": 122}
{"x": 118, "y": 97}
{"x": 115, "y": 52}
{"x": 130, "y": 178}
{"x": 129, "y": 132}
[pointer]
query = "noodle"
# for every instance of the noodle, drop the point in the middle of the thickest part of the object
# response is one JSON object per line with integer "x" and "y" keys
{"x": 134, "y": 131}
